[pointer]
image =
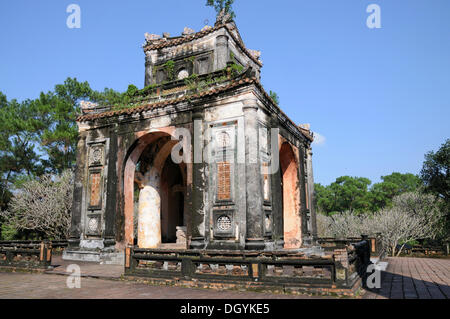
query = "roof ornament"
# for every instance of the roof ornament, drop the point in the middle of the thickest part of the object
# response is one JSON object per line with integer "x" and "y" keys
{"x": 151, "y": 37}
{"x": 255, "y": 53}
{"x": 188, "y": 31}
{"x": 223, "y": 17}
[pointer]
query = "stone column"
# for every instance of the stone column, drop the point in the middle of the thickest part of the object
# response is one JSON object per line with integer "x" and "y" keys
{"x": 254, "y": 189}
{"x": 312, "y": 211}
{"x": 304, "y": 199}
{"x": 222, "y": 55}
{"x": 149, "y": 223}
{"x": 77, "y": 204}
{"x": 277, "y": 197}
{"x": 148, "y": 70}
{"x": 111, "y": 189}
{"x": 197, "y": 240}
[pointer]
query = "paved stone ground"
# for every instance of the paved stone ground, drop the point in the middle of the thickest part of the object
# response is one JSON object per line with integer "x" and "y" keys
{"x": 43, "y": 286}
{"x": 414, "y": 278}
{"x": 87, "y": 268}
{"x": 404, "y": 278}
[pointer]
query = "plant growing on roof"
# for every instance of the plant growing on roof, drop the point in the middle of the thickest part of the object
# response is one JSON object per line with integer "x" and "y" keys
{"x": 170, "y": 68}
{"x": 220, "y": 5}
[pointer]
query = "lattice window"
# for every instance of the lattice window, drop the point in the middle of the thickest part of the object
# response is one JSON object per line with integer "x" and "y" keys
{"x": 224, "y": 223}
{"x": 223, "y": 181}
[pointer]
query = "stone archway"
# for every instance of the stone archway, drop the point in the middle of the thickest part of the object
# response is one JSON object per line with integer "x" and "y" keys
{"x": 291, "y": 197}
{"x": 159, "y": 144}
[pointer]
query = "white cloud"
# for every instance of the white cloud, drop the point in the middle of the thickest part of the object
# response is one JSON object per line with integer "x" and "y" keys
{"x": 319, "y": 140}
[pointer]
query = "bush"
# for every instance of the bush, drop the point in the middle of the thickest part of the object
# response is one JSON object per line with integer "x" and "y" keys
{"x": 8, "y": 232}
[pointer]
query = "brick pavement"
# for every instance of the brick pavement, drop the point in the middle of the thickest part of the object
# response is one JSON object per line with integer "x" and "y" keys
{"x": 414, "y": 278}
{"x": 404, "y": 278}
{"x": 43, "y": 286}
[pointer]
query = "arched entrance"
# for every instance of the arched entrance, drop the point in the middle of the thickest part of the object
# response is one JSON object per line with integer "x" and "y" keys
{"x": 154, "y": 186}
{"x": 291, "y": 197}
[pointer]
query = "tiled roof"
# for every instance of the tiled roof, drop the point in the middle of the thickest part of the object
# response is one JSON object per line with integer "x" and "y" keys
{"x": 147, "y": 107}
{"x": 213, "y": 91}
{"x": 164, "y": 43}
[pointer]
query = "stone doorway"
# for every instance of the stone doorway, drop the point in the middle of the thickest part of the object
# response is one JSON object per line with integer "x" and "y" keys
{"x": 172, "y": 202}
{"x": 155, "y": 199}
{"x": 290, "y": 194}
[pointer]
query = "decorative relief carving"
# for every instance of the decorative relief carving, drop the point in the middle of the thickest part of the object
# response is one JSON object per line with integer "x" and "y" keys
{"x": 93, "y": 224}
{"x": 96, "y": 155}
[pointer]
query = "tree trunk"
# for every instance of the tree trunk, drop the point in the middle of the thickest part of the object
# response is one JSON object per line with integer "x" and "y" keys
{"x": 400, "y": 250}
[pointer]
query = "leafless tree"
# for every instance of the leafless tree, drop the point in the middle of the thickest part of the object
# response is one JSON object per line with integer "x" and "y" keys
{"x": 43, "y": 206}
{"x": 413, "y": 216}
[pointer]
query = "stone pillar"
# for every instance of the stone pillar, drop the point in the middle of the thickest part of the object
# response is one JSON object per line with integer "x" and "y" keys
{"x": 111, "y": 192}
{"x": 148, "y": 70}
{"x": 254, "y": 188}
{"x": 222, "y": 55}
{"x": 277, "y": 197}
{"x": 304, "y": 191}
{"x": 149, "y": 223}
{"x": 77, "y": 204}
{"x": 197, "y": 240}
{"x": 312, "y": 211}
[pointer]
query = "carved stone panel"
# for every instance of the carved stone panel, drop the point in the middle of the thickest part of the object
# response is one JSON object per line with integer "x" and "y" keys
{"x": 95, "y": 189}
{"x": 93, "y": 225}
{"x": 224, "y": 144}
{"x": 96, "y": 155}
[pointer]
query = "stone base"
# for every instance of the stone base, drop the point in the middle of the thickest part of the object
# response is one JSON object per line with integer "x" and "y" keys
{"x": 106, "y": 258}
{"x": 94, "y": 250}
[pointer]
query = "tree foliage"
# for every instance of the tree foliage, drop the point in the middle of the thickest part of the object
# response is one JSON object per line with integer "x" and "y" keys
{"x": 346, "y": 193}
{"x": 58, "y": 111}
{"x": 19, "y": 129}
{"x": 274, "y": 96}
{"x": 436, "y": 171}
{"x": 220, "y": 5}
{"x": 355, "y": 193}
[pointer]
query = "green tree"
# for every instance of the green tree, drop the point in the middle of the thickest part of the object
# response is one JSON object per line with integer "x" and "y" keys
{"x": 435, "y": 175}
{"x": 345, "y": 194}
{"x": 435, "y": 172}
{"x": 381, "y": 194}
{"x": 58, "y": 111}
{"x": 220, "y": 5}
{"x": 18, "y": 136}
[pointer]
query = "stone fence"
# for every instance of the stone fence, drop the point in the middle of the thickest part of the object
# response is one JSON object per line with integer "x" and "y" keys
{"x": 376, "y": 247}
{"x": 25, "y": 254}
{"x": 339, "y": 271}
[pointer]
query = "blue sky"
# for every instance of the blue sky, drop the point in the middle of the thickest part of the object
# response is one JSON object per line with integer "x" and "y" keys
{"x": 380, "y": 98}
